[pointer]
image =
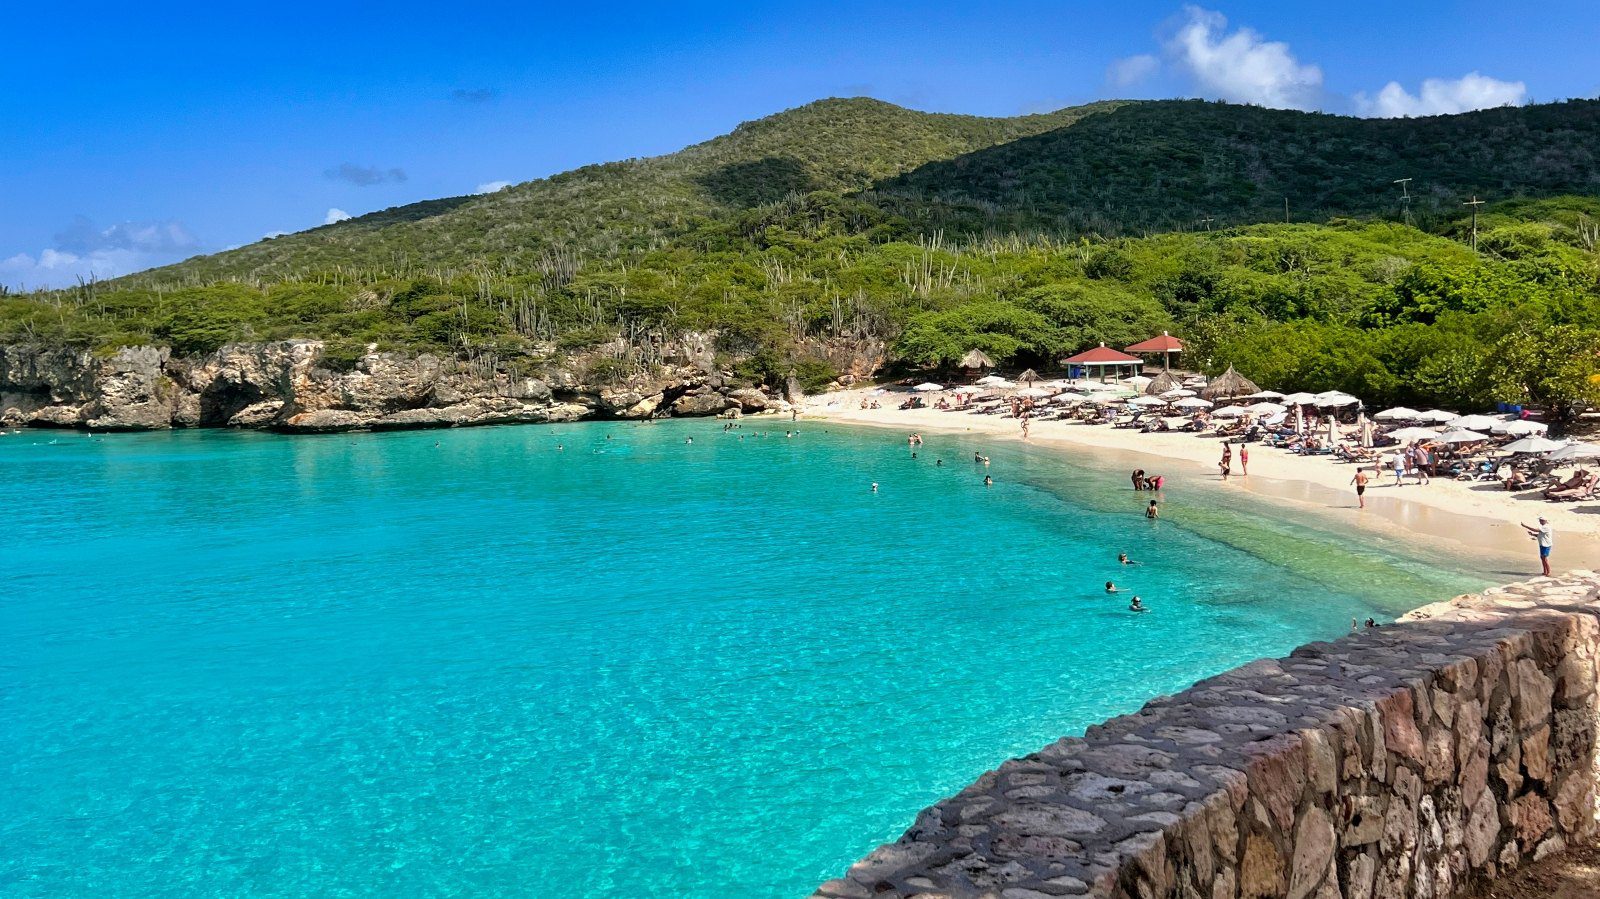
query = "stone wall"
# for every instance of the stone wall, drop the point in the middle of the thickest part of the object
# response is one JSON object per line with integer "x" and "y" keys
{"x": 1399, "y": 762}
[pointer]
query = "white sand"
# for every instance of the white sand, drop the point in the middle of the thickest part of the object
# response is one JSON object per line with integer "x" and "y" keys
{"x": 1475, "y": 517}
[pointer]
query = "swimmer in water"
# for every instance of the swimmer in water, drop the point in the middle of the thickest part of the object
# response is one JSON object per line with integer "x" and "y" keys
{"x": 1136, "y": 606}
{"x": 685, "y": 440}
{"x": 874, "y": 486}
{"x": 938, "y": 463}
{"x": 560, "y": 448}
{"x": 1152, "y": 510}
{"x": 1111, "y": 587}
{"x": 988, "y": 481}
{"x": 1123, "y": 558}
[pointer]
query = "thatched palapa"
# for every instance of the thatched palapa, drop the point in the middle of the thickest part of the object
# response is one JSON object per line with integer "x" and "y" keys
{"x": 1228, "y": 385}
{"x": 976, "y": 358}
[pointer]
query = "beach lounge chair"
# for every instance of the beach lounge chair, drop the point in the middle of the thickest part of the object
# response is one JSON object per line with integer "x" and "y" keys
{"x": 1584, "y": 490}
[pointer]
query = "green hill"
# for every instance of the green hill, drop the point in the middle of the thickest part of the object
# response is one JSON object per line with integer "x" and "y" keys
{"x": 602, "y": 211}
{"x": 1168, "y": 165}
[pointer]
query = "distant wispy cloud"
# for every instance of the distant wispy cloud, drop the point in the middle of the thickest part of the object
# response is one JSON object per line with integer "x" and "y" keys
{"x": 1442, "y": 96}
{"x": 335, "y": 215}
{"x": 489, "y": 187}
{"x": 1132, "y": 70}
{"x": 84, "y": 250}
{"x": 364, "y": 176}
{"x": 474, "y": 95}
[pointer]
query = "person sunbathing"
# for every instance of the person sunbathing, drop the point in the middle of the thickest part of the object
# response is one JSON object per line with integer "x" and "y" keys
{"x": 1581, "y": 491}
{"x": 1575, "y": 482}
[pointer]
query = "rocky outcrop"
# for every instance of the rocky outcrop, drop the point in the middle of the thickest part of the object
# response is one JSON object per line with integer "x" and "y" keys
{"x": 287, "y": 386}
{"x": 1398, "y": 763}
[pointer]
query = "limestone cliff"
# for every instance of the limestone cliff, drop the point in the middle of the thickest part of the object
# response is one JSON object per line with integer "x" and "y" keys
{"x": 290, "y": 386}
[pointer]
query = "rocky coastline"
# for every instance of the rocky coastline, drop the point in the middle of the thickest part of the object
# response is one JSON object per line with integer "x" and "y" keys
{"x": 290, "y": 386}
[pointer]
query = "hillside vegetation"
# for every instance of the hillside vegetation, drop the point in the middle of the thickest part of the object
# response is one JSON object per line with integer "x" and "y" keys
{"x": 855, "y": 219}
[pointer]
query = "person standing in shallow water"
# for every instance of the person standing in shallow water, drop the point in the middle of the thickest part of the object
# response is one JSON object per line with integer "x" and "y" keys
{"x": 1544, "y": 535}
{"x": 1244, "y": 460}
{"x": 1227, "y": 460}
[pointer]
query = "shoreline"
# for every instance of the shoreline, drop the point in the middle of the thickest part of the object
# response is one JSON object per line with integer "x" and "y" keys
{"x": 1470, "y": 519}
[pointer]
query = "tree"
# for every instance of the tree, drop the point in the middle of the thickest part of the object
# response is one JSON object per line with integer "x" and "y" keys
{"x": 1553, "y": 366}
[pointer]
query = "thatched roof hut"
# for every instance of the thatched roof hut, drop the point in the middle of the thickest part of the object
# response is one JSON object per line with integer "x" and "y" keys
{"x": 976, "y": 358}
{"x": 1228, "y": 385}
{"x": 1162, "y": 383}
{"x": 1028, "y": 377}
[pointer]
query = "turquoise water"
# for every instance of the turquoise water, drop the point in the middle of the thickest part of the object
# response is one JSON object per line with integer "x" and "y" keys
{"x": 464, "y": 663}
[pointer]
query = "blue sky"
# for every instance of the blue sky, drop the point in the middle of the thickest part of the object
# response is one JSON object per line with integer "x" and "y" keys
{"x": 136, "y": 135}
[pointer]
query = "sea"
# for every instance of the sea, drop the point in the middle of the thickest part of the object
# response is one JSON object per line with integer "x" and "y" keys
{"x": 597, "y": 660}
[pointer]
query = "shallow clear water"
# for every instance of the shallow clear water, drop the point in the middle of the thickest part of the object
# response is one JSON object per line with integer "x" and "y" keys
{"x": 464, "y": 663}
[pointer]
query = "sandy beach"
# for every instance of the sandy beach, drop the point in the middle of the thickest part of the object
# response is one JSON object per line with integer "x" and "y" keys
{"x": 1479, "y": 518}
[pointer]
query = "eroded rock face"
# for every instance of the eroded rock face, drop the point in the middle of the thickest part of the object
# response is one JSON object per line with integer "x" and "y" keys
{"x": 286, "y": 386}
{"x": 1397, "y": 763}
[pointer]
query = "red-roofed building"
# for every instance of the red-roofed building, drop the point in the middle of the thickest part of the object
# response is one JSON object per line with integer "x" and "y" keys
{"x": 1099, "y": 359}
{"x": 1166, "y": 345}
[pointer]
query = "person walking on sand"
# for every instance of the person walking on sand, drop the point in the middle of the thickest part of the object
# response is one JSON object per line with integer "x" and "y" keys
{"x": 1227, "y": 460}
{"x": 1244, "y": 460}
{"x": 1399, "y": 467}
{"x": 1024, "y": 427}
{"x": 1545, "y": 537}
{"x": 1360, "y": 480}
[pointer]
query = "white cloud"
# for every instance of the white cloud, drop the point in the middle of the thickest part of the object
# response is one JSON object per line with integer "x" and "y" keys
{"x": 1443, "y": 96}
{"x": 335, "y": 214}
{"x": 1243, "y": 66}
{"x": 489, "y": 187}
{"x": 58, "y": 268}
{"x": 1132, "y": 70}
{"x": 271, "y": 234}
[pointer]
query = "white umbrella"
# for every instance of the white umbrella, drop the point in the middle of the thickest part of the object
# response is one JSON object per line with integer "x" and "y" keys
{"x": 1572, "y": 451}
{"x": 1151, "y": 401}
{"x": 1461, "y": 435}
{"x": 1265, "y": 407}
{"x": 1519, "y": 428}
{"x": 1194, "y": 381}
{"x": 927, "y": 387}
{"x": 1179, "y": 393}
{"x": 1299, "y": 399}
{"x": 1192, "y": 402}
{"x": 991, "y": 381}
{"x": 1398, "y": 413}
{"x": 1275, "y": 418}
{"x": 1139, "y": 381}
{"x": 1265, "y": 395}
{"x": 1231, "y": 412}
{"x": 1333, "y": 430}
{"x": 1475, "y": 422}
{"x": 1438, "y": 416}
{"x": 1334, "y": 398}
{"x": 1534, "y": 444}
{"x": 1097, "y": 387}
{"x": 1414, "y": 433}
{"x": 1035, "y": 392}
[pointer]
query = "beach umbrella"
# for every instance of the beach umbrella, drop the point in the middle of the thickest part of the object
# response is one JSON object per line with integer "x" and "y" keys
{"x": 1519, "y": 428}
{"x": 976, "y": 358}
{"x": 1100, "y": 387}
{"x": 1438, "y": 416}
{"x": 1162, "y": 383}
{"x": 1334, "y": 399}
{"x": 1398, "y": 413}
{"x": 1333, "y": 430}
{"x": 1367, "y": 428}
{"x": 1475, "y": 422}
{"x": 990, "y": 381}
{"x": 927, "y": 387}
{"x": 1265, "y": 408}
{"x": 1415, "y": 433}
{"x": 1034, "y": 392}
{"x": 1192, "y": 402}
{"x": 1178, "y": 394}
{"x": 1147, "y": 401}
{"x": 1299, "y": 399}
{"x": 1231, "y": 412}
{"x": 1299, "y": 419}
{"x": 1461, "y": 435}
{"x": 1265, "y": 395}
{"x": 1195, "y": 381}
{"x": 1138, "y": 382}
{"x": 1533, "y": 444}
{"x": 1573, "y": 451}
{"x": 1028, "y": 377}
{"x": 1275, "y": 419}
{"x": 1228, "y": 385}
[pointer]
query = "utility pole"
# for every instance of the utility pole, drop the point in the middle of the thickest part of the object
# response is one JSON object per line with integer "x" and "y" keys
{"x": 1207, "y": 222}
{"x": 1405, "y": 198}
{"x": 1286, "y": 210}
{"x": 1474, "y": 203}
